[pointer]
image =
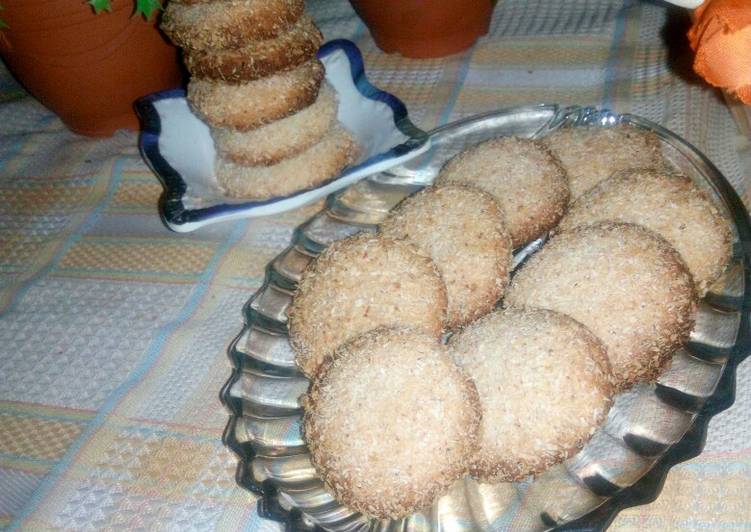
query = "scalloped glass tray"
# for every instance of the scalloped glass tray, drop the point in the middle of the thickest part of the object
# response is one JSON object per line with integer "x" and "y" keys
{"x": 649, "y": 429}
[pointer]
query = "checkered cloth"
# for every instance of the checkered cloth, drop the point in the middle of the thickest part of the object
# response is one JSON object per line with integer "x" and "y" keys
{"x": 113, "y": 330}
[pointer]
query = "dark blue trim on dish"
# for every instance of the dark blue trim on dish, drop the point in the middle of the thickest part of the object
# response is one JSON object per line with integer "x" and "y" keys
{"x": 357, "y": 69}
{"x": 172, "y": 207}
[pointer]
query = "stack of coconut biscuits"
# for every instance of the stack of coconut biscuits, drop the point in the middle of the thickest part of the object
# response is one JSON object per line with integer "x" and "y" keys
{"x": 428, "y": 362}
{"x": 256, "y": 81}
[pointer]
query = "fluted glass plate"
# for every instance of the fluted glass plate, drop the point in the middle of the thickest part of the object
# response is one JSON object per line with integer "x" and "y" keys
{"x": 649, "y": 428}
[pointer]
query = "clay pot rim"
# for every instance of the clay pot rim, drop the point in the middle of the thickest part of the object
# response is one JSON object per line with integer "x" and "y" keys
{"x": 91, "y": 88}
{"x": 96, "y": 53}
{"x": 72, "y": 17}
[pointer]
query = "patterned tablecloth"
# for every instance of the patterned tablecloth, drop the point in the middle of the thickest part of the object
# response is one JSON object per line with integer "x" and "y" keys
{"x": 113, "y": 330}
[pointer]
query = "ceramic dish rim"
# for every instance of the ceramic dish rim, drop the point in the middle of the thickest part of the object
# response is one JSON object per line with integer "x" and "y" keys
{"x": 178, "y": 217}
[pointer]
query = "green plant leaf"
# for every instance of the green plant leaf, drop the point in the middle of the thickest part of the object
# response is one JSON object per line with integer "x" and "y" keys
{"x": 147, "y": 8}
{"x": 100, "y": 5}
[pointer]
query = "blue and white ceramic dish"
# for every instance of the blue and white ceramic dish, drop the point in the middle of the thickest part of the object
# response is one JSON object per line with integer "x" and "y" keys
{"x": 179, "y": 149}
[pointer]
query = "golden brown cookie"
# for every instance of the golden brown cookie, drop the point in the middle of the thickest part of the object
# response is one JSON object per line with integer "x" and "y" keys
{"x": 358, "y": 284}
{"x": 257, "y": 59}
{"x": 544, "y": 386}
{"x": 463, "y": 231}
{"x": 228, "y": 23}
{"x": 524, "y": 178}
{"x": 591, "y": 154}
{"x": 669, "y": 204}
{"x": 270, "y": 143}
{"x": 622, "y": 281}
{"x": 391, "y": 422}
{"x": 309, "y": 168}
{"x": 255, "y": 103}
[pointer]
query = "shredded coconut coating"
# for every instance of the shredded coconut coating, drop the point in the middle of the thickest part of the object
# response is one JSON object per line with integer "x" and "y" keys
{"x": 309, "y": 168}
{"x": 463, "y": 231}
{"x": 358, "y": 284}
{"x": 254, "y": 103}
{"x": 625, "y": 283}
{"x": 257, "y": 59}
{"x": 672, "y": 206}
{"x": 269, "y": 144}
{"x": 545, "y": 386}
{"x": 391, "y": 422}
{"x": 227, "y": 23}
{"x": 590, "y": 155}
{"x": 524, "y": 178}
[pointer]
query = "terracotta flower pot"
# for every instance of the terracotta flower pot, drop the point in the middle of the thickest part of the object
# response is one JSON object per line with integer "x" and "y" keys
{"x": 425, "y": 28}
{"x": 86, "y": 68}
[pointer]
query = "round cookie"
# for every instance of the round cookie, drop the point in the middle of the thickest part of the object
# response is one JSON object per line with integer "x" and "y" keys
{"x": 544, "y": 386}
{"x": 270, "y": 143}
{"x": 301, "y": 171}
{"x": 463, "y": 231}
{"x": 227, "y": 23}
{"x": 386, "y": 440}
{"x": 257, "y": 59}
{"x": 591, "y": 154}
{"x": 672, "y": 206}
{"x": 254, "y": 103}
{"x": 524, "y": 178}
{"x": 622, "y": 281}
{"x": 358, "y": 284}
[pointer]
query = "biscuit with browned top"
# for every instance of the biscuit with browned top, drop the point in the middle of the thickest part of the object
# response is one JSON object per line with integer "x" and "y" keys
{"x": 669, "y": 204}
{"x": 255, "y": 103}
{"x": 257, "y": 59}
{"x": 463, "y": 230}
{"x": 544, "y": 386}
{"x": 309, "y": 168}
{"x": 622, "y": 281}
{"x": 270, "y": 143}
{"x": 391, "y": 422}
{"x": 229, "y": 23}
{"x": 358, "y": 284}
{"x": 591, "y": 154}
{"x": 523, "y": 177}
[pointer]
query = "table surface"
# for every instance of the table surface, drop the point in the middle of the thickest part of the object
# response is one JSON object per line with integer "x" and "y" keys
{"x": 113, "y": 330}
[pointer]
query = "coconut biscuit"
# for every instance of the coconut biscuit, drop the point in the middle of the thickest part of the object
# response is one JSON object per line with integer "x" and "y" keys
{"x": 669, "y": 204}
{"x": 391, "y": 422}
{"x": 270, "y": 143}
{"x": 544, "y": 386}
{"x": 300, "y": 171}
{"x": 229, "y": 23}
{"x": 622, "y": 281}
{"x": 463, "y": 231}
{"x": 523, "y": 177}
{"x": 358, "y": 284}
{"x": 257, "y": 59}
{"x": 255, "y": 103}
{"x": 591, "y": 154}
